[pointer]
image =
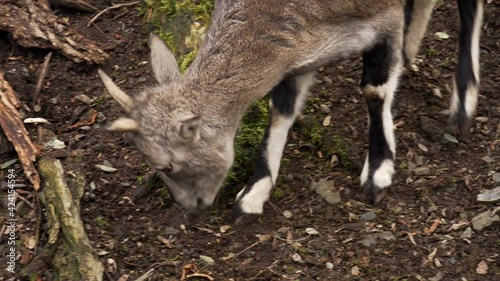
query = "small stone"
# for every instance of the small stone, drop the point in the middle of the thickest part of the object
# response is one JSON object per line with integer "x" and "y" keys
{"x": 323, "y": 108}
{"x": 467, "y": 234}
{"x": 206, "y": 260}
{"x": 311, "y": 231}
{"x": 355, "y": 271}
{"x": 433, "y": 129}
{"x": 326, "y": 190}
{"x": 327, "y": 80}
{"x": 287, "y": 214}
{"x": 496, "y": 177}
{"x": 328, "y": 121}
{"x": 483, "y": 220}
{"x": 423, "y": 147}
{"x": 387, "y": 235}
{"x": 368, "y": 216}
{"x": 329, "y": 265}
{"x": 422, "y": 171}
{"x": 83, "y": 98}
{"x": 297, "y": 258}
{"x": 482, "y": 268}
{"x": 482, "y": 119}
{"x": 369, "y": 241}
{"x": 171, "y": 230}
{"x": 489, "y": 196}
{"x": 488, "y": 159}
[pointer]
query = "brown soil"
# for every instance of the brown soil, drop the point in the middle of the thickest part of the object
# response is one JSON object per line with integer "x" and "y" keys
{"x": 130, "y": 233}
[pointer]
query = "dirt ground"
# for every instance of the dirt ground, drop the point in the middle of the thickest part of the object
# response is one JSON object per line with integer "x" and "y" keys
{"x": 415, "y": 233}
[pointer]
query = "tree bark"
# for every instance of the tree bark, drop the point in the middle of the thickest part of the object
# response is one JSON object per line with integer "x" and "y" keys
{"x": 74, "y": 257}
{"x": 32, "y": 24}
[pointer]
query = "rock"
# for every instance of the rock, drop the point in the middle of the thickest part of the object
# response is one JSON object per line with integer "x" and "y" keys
{"x": 368, "y": 216}
{"x": 496, "y": 177}
{"x": 206, "y": 260}
{"x": 422, "y": 171}
{"x": 387, "y": 235}
{"x": 467, "y": 234}
{"x": 297, "y": 258}
{"x": 171, "y": 230}
{"x": 287, "y": 214}
{"x": 483, "y": 220}
{"x": 326, "y": 190}
{"x": 327, "y": 80}
{"x": 329, "y": 265}
{"x": 482, "y": 268}
{"x": 323, "y": 108}
{"x": 488, "y": 159}
{"x": 431, "y": 127}
{"x": 489, "y": 196}
{"x": 370, "y": 240}
{"x": 83, "y": 98}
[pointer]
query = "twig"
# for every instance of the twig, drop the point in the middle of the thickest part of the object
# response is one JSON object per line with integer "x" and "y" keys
{"x": 25, "y": 201}
{"x": 39, "y": 84}
{"x": 38, "y": 222}
{"x": 111, "y": 8}
{"x": 246, "y": 249}
{"x": 146, "y": 275}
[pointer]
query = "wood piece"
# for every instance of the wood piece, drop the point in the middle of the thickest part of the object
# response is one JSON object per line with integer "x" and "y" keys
{"x": 13, "y": 127}
{"x": 74, "y": 4}
{"x": 75, "y": 258}
{"x": 42, "y": 29}
{"x": 39, "y": 84}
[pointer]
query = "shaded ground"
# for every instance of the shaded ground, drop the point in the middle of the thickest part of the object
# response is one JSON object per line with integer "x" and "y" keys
{"x": 391, "y": 241}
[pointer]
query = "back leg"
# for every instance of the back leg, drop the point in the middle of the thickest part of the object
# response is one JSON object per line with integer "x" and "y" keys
{"x": 381, "y": 70}
{"x": 466, "y": 82}
{"x": 417, "y": 15}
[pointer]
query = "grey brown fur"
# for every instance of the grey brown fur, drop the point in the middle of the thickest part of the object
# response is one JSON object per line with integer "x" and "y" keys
{"x": 185, "y": 126}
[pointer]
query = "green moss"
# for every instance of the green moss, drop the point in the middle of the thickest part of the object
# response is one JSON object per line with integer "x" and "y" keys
{"x": 101, "y": 221}
{"x": 322, "y": 139}
{"x": 247, "y": 142}
{"x": 181, "y": 24}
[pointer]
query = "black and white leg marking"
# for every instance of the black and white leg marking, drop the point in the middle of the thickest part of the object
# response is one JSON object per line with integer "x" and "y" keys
{"x": 466, "y": 83}
{"x": 417, "y": 15}
{"x": 287, "y": 99}
{"x": 381, "y": 70}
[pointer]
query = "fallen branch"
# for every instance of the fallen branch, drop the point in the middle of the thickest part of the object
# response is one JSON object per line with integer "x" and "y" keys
{"x": 75, "y": 4}
{"x": 68, "y": 244}
{"x": 16, "y": 133}
{"x": 40, "y": 28}
{"x": 111, "y": 8}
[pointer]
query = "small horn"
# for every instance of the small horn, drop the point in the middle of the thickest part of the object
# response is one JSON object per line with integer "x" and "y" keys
{"x": 123, "y": 99}
{"x": 124, "y": 124}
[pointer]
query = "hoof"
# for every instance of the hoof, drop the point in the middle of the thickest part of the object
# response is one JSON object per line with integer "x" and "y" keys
{"x": 374, "y": 193}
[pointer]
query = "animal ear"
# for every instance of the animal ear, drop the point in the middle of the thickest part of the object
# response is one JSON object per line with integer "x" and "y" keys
{"x": 190, "y": 128}
{"x": 124, "y": 124}
{"x": 120, "y": 96}
{"x": 162, "y": 61}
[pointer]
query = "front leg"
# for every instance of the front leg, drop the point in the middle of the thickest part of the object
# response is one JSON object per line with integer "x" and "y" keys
{"x": 287, "y": 99}
{"x": 381, "y": 70}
